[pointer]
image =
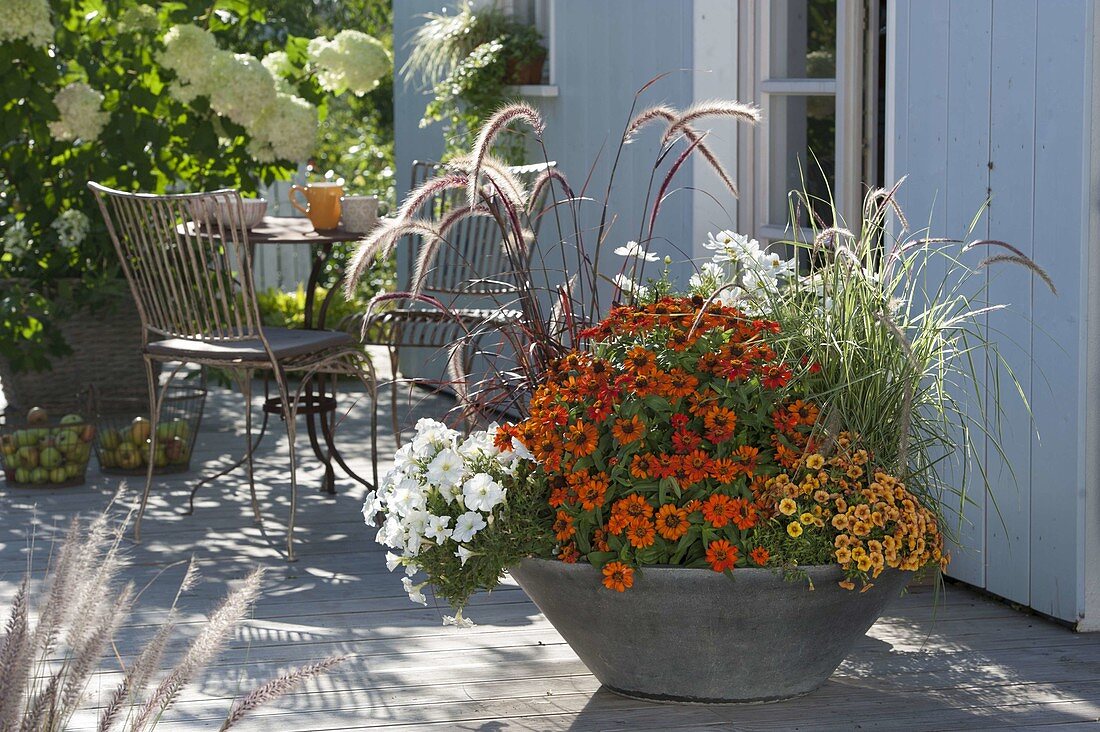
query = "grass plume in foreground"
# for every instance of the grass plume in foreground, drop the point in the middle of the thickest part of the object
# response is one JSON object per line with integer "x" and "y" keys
{"x": 46, "y": 664}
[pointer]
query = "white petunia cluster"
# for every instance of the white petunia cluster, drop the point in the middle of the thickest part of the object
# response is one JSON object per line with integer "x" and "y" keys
{"x": 81, "y": 113}
{"x": 71, "y": 227}
{"x": 441, "y": 491}
{"x": 352, "y": 61}
{"x": 741, "y": 273}
{"x": 243, "y": 89}
{"x": 27, "y": 20}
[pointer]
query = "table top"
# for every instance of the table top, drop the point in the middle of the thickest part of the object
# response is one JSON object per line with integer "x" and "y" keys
{"x": 294, "y": 230}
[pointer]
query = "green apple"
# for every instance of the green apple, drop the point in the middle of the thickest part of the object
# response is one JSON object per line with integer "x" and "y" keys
{"x": 58, "y": 475}
{"x": 160, "y": 457}
{"x": 109, "y": 438}
{"x": 27, "y": 457}
{"x": 25, "y": 438}
{"x": 129, "y": 457}
{"x": 140, "y": 430}
{"x": 22, "y": 475}
{"x": 39, "y": 476}
{"x": 73, "y": 470}
{"x": 37, "y": 416}
{"x": 50, "y": 458}
{"x": 72, "y": 419}
{"x": 66, "y": 441}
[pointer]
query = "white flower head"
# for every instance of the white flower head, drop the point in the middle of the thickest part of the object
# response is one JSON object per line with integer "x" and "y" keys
{"x": 393, "y": 561}
{"x": 463, "y": 554}
{"x": 71, "y": 227}
{"x": 446, "y": 469}
{"x": 28, "y": 20}
{"x": 482, "y": 493}
{"x": 16, "y": 238}
{"x": 372, "y": 506}
{"x": 630, "y": 287}
{"x": 392, "y": 533}
{"x": 81, "y": 114}
{"x": 407, "y": 497}
{"x": 479, "y": 443}
{"x": 521, "y": 450}
{"x": 437, "y": 529}
{"x": 352, "y": 61}
{"x": 459, "y": 621}
{"x": 634, "y": 250}
{"x": 467, "y": 525}
{"x": 414, "y": 591}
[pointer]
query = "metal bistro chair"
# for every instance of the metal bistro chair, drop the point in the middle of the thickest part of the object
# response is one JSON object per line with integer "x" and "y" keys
{"x": 474, "y": 265}
{"x": 188, "y": 262}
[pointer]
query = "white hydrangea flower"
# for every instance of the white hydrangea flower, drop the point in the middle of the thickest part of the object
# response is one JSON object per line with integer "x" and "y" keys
{"x": 482, "y": 493}
{"x": 414, "y": 591}
{"x": 71, "y": 227}
{"x": 81, "y": 113}
{"x": 16, "y": 238}
{"x": 278, "y": 63}
{"x": 286, "y": 129}
{"x": 240, "y": 87}
{"x": 467, "y": 525}
{"x": 446, "y": 469}
{"x": 437, "y": 529}
{"x": 28, "y": 20}
{"x": 634, "y": 250}
{"x": 188, "y": 51}
{"x": 352, "y": 61}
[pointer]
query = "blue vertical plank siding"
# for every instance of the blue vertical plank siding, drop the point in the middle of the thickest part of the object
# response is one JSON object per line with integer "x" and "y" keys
{"x": 1007, "y": 84}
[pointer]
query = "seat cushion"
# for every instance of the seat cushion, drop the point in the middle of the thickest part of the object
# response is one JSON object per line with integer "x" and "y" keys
{"x": 285, "y": 343}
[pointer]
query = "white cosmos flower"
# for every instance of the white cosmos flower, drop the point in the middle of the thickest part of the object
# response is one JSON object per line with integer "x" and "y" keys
{"x": 630, "y": 287}
{"x": 463, "y": 554}
{"x": 634, "y": 250}
{"x": 482, "y": 493}
{"x": 446, "y": 469}
{"x": 414, "y": 590}
{"x": 437, "y": 529}
{"x": 467, "y": 525}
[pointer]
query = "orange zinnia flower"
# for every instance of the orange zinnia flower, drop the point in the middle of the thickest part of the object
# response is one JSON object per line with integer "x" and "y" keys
{"x": 563, "y": 526}
{"x": 633, "y": 506}
{"x": 721, "y": 555}
{"x": 672, "y": 522}
{"x": 720, "y": 422}
{"x": 569, "y": 554}
{"x": 717, "y": 510}
{"x": 680, "y": 383}
{"x": 591, "y": 493}
{"x": 744, "y": 513}
{"x": 640, "y": 533}
{"x": 617, "y": 576}
{"x": 581, "y": 439}
{"x": 628, "y": 430}
{"x": 760, "y": 555}
{"x": 695, "y": 465}
{"x": 641, "y": 360}
{"x": 641, "y": 466}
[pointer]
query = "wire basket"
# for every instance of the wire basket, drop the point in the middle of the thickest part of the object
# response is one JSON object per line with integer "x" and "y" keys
{"x": 124, "y": 431}
{"x": 39, "y": 452}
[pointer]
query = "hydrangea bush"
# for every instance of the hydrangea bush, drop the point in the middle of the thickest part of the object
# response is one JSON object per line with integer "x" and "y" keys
{"x": 156, "y": 97}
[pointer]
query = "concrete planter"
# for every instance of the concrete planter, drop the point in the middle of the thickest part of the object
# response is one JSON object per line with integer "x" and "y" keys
{"x": 694, "y": 635}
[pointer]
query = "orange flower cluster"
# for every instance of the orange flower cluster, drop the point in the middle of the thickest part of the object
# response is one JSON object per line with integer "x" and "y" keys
{"x": 658, "y": 443}
{"x": 867, "y": 515}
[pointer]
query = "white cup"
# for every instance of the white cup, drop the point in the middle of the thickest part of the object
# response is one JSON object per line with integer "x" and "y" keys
{"x": 359, "y": 213}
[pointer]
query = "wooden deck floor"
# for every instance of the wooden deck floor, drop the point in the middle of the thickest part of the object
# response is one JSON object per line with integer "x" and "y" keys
{"x": 968, "y": 663}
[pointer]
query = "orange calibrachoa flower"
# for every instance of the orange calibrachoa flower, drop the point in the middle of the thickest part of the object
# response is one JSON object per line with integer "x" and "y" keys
{"x": 617, "y": 576}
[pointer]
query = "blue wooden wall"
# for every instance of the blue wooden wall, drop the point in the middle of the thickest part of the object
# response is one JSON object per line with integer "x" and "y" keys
{"x": 993, "y": 99}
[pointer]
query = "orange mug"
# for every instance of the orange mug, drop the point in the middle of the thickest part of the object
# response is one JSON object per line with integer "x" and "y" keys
{"x": 322, "y": 203}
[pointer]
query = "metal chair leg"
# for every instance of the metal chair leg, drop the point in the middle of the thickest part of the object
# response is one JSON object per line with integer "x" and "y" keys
{"x": 395, "y": 358}
{"x": 156, "y": 396}
{"x": 290, "y": 413}
{"x": 316, "y": 384}
{"x": 246, "y": 392}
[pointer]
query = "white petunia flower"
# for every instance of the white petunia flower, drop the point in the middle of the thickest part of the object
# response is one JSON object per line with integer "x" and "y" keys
{"x": 392, "y": 533}
{"x": 407, "y": 497}
{"x": 459, "y": 621}
{"x": 393, "y": 561}
{"x": 479, "y": 443}
{"x": 467, "y": 525}
{"x": 372, "y": 506}
{"x": 446, "y": 469}
{"x": 414, "y": 590}
{"x": 482, "y": 493}
{"x": 634, "y": 250}
{"x": 463, "y": 554}
{"x": 521, "y": 450}
{"x": 437, "y": 529}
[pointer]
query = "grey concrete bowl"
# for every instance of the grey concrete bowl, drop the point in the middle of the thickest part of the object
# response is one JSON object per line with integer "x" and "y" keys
{"x": 695, "y": 635}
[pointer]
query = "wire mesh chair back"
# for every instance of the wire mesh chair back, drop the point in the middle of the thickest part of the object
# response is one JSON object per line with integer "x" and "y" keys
{"x": 475, "y": 259}
{"x": 188, "y": 261}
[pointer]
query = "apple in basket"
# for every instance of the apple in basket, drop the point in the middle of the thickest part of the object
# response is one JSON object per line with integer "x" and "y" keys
{"x": 140, "y": 431}
{"x": 50, "y": 458}
{"x": 59, "y": 475}
{"x": 66, "y": 440}
{"x": 37, "y": 417}
{"x": 39, "y": 476}
{"x": 129, "y": 457}
{"x": 27, "y": 457}
{"x": 110, "y": 439}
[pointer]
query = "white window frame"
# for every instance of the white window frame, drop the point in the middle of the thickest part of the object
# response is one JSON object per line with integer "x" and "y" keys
{"x": 756, "y": 84}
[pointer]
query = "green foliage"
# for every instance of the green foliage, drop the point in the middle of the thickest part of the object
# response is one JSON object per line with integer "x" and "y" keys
{"x": 152, "y": 141}
{"x": 468, "y": 59}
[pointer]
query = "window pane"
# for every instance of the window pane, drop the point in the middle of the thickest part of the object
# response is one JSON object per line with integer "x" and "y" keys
{"x": 802, "y": 154}
{"x": 803, "y": 39}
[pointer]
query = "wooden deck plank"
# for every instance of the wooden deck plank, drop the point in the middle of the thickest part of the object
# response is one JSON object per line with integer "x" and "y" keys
{"x": 934, "y": 661}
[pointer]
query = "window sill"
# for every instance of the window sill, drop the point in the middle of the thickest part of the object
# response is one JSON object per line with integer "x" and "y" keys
{"x": 534, "y": 90}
